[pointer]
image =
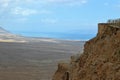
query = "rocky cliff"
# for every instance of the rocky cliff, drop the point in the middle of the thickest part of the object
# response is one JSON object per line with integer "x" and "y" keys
{"x": 99, "y": 61}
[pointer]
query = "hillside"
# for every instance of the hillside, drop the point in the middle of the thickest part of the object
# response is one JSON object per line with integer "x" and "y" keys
{"x": 6, "y": 36}
{"x": 3, "y": 31}
{"x": 99, "y": 61}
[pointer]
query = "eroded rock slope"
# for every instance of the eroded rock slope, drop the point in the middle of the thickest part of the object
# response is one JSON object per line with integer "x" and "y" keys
{"x": 99, "y": 61}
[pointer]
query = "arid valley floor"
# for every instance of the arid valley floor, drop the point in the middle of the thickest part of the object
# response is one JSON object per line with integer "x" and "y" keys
{"x": 34, "y": 60}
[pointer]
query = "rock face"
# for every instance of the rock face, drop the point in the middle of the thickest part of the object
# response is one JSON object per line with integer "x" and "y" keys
{"x": 99, "y": 61}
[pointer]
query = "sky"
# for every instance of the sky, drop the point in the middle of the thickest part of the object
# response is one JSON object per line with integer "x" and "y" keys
{"x": 64, "y": 16}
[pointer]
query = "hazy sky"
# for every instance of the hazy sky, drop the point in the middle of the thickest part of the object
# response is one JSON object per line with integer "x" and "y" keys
{"x": 56, "y": 15}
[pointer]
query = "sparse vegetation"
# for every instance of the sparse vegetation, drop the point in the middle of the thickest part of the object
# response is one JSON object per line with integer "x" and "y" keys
{"x": 115, "y": 22}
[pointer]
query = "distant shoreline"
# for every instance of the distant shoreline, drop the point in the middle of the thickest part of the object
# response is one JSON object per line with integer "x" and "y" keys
{"x": 57, "y": 35}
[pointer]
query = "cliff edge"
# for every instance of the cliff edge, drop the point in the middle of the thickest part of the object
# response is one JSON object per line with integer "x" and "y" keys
{"x": 99, "y": 61}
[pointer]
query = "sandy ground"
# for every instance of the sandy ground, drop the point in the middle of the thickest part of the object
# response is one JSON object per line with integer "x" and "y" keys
{"x": 34, "y": 60}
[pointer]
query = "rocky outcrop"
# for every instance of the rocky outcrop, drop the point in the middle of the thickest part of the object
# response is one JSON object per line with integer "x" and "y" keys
{"x": 61, "y": 72}
{"x": 99, "y": 61}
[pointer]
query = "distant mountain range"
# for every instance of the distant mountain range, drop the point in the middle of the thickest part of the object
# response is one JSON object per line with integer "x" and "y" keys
{"x": 3, "y": 31}
{"x": 6, "y": 36}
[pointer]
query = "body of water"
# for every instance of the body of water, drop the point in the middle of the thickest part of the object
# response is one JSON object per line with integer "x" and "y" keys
{"x": 58, "y": 35}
